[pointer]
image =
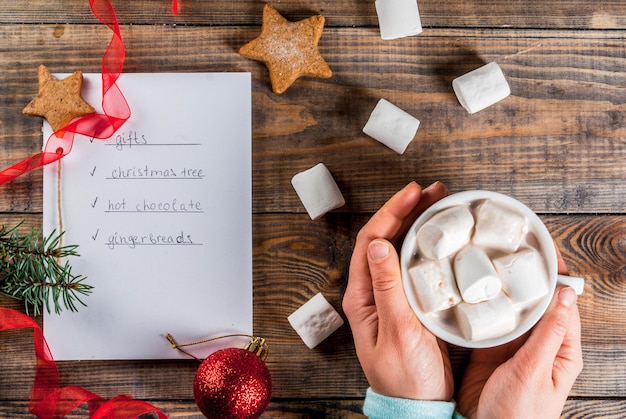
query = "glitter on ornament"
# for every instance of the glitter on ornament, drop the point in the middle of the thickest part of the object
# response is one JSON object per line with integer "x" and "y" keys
{"x": 232, "y": 383}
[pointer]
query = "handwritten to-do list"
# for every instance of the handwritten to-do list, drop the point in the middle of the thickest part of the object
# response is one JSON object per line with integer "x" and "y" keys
{"x": 161, "y": 212}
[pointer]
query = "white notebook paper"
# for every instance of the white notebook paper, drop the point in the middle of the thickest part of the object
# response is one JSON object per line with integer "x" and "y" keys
{"x": 162, "y": 216}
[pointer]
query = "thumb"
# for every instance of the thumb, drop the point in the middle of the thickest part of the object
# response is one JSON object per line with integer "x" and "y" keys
{"x": 387, "y": 286}
{"x": 554, "y": 334}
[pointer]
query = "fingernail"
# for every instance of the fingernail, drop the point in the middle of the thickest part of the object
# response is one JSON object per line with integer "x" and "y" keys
{"x": 432, "y": 186}
{"x": 378, "y": 250}
{"x": 567, "y": 296}
{"x": 437, "y": 186}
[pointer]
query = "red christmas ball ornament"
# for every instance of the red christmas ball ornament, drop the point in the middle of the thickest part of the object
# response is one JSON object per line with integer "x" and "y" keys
{"x": 231, "y": 383}
{"x": 234, "y": 383}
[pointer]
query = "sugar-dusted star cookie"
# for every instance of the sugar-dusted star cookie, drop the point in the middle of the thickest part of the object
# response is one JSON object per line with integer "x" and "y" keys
{"x": 59, "y": 101}
{"x": 288, "y": 49}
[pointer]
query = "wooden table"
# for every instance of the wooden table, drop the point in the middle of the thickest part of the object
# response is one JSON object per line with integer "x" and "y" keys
{"x": 558, "y": 143}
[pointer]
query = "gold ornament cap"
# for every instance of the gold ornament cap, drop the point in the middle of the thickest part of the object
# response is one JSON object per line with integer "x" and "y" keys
{"x": 258, "y": 346}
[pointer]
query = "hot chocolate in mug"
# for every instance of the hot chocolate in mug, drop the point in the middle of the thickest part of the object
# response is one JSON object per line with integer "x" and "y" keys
{"x": 479, "y": 269}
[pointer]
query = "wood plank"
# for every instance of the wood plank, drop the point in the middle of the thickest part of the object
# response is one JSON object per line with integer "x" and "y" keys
{"x": 593, "y": 248}
{"x": 556, "y": 144}
{"x": 606, "y": 409}
{"x": 553, "y": 14}
{"x": 294, "y": 258}
{"x": 336, "y": 409}
{"x": 581, "y": 239}
{"x": 550, "y": 144}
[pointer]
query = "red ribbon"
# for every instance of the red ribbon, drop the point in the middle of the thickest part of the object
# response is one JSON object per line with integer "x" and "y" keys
{"x": 48, "y": 401}
{"x": 100, "y": 126}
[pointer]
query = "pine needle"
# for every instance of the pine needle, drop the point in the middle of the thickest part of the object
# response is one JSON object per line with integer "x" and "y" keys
{"x": 32, "y": 270}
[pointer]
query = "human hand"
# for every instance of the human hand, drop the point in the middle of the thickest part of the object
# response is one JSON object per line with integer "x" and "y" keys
{"x": 399, "y": 357}
{"x": 531, "y": 376}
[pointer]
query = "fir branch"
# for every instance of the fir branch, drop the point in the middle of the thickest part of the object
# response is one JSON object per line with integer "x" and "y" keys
{"x": 31, "y": 270}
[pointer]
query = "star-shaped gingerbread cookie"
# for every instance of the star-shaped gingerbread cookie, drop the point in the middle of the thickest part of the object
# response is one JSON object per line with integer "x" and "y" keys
{"x": 59, "y": 101}
{"x": 288, "y": 49}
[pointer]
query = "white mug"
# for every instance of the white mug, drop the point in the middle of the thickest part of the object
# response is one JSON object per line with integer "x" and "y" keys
{"x": 442, "y": 324}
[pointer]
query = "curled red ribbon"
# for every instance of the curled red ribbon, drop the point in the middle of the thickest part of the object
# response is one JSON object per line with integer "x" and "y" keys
{"x": 48, "y": 401}
{"x": 100, "y": 126}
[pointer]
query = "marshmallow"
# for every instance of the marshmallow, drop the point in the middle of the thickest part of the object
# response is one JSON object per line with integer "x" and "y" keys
{"x": 434, "y": 285}
{"x": 481, "y": 88}
{"x": 499, "y": 227}
{"x": 391, "y": 126}
{"x": 486, "y": 320}
{"x": 476, "y": 277}
{"x": 523, "y": 274}
{"x": 398, "y": 18}
{"x": 318, "y": 191}
{"x": 445, "y": 232}
{"x": 315, "y": 321}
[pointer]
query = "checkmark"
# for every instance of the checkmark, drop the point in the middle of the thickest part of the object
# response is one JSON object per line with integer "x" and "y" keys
{"x": 94, "y": 202}
{"x": 93, "y": 172}
{"x": 95, "y": 236}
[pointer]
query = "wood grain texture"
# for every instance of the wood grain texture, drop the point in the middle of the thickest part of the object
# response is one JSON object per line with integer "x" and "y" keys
{"x": 558, "y": 144}
{"x": 550, "y": 144}
{"x": 334, "y": 409}
{"x": 575, "y": 14}
{"x": 301, "y": 258}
